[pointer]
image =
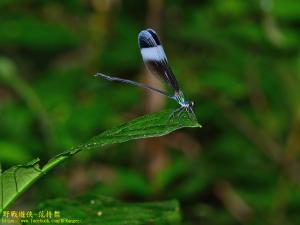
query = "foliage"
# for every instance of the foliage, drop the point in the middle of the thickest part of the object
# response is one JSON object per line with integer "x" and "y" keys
{"x": 107, "y": 211}
{"x": 17, "y": 179}
{"x": 238, "y": 60}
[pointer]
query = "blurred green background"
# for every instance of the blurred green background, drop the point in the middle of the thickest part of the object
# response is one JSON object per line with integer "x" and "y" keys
{"x": 238, "y": 60}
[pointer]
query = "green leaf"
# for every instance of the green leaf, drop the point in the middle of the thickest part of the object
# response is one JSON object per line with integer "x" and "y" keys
{"x": 107, "y": 211}
{"x": 17, "y": 179}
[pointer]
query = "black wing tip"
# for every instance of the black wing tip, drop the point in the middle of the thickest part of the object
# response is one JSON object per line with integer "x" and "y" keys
{"x": 151, "y": 30}
{"x": 144, "y": 37}
{"x": 147, "y": 30}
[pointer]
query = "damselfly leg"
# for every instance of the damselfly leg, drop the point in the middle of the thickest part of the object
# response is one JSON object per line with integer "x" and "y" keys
{"x": 191, "y": 113}
{"x": 177, "y": 111}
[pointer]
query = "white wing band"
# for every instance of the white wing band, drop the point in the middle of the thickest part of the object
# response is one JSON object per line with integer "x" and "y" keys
{"x": 153, "y": 53}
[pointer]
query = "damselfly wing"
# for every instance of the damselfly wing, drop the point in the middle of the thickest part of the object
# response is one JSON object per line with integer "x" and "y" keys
{"x": 155, "y": 58}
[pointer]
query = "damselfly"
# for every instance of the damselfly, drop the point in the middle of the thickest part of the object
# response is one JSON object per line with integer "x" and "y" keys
{"x": 156, "y": 61}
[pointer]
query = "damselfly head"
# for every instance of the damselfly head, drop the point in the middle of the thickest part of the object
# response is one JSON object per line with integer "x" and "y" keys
{"x": 191, "y": 104}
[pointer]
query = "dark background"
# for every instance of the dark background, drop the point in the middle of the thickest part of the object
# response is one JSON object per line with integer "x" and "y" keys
{"x": 238, "y": 60}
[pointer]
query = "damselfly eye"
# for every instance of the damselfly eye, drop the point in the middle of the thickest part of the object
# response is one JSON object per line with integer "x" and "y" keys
{"x": 191, "y": 103}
